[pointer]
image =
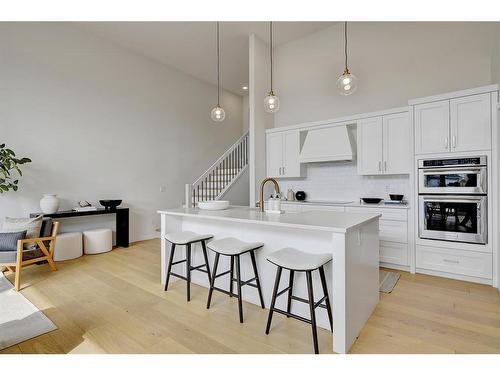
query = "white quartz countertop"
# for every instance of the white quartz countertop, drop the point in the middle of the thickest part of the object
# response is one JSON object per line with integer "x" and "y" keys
{"x": 348, "y": 204}
{"x": 312, "y": 220}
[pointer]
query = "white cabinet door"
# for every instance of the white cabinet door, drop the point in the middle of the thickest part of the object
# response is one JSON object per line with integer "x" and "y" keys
{"x": 396, "y": 145}
{"x": 470, "y": 123}
{"x": 291, "y": 148}
{"x": 432, "y": 127}
{"x": 274, "y": 154}
{"x": 369, "y": 135}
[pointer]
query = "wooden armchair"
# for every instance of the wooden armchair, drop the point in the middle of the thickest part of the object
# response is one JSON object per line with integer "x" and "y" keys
{"x": 26, "y": 257}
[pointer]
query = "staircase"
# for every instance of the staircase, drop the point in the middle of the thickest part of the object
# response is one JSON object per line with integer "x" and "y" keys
{"x": 217, "y": 180}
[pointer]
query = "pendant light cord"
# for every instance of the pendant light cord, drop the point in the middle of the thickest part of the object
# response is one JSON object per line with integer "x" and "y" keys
{"x": 345, "y": 45}
{"x": 218, "y": 66}
{"x": 271, "y": 50}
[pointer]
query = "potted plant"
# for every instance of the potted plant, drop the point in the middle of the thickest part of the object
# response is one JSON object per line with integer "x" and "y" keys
{"x": 9, "y": 169}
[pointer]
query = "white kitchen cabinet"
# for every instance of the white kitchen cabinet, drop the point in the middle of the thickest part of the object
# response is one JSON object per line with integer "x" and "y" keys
{"x": 396, "y": 154}
{"x": 282, "y": 154}
{"x": 470, "y": 121}
{"x": 455, "y": 125}
{"x": 383, "y": 145}
{"x": 370, "y": 153}
{"x": 432, "y": 127}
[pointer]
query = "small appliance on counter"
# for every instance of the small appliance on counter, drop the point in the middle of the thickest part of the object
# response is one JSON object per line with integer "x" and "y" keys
{"x": 300, "y": 195}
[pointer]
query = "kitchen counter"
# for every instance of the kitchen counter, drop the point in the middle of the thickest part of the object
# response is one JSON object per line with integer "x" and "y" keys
{"x": 348, "y": 204}
{"x": 316, "y": 220}
{"x": 351, "y": 238}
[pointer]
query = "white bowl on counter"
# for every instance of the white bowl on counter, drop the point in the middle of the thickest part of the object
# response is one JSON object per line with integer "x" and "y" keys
{"x": 213, "y": 205}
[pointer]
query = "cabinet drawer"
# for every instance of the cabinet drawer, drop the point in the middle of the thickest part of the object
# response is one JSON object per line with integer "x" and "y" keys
{"x": 393, "y": 252}
{"x": 323, "y": 208}
{"x": 461, "y": 262}
{"x": 387, "y": 213}
{"x": 394, "y": 231}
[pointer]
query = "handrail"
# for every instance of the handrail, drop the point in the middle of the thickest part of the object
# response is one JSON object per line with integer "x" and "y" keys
{"x": 222, "y": 157}
{"x": 222, "y": 174}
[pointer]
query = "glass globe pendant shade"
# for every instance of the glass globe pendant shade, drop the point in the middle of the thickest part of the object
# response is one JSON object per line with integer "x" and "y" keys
{"x": 218, "y": 114}
{"x": 347, "y": 83}
{"x": 271, "y": 103}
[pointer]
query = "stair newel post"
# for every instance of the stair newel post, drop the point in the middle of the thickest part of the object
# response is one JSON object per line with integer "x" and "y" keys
{"x": 187, "y": 192}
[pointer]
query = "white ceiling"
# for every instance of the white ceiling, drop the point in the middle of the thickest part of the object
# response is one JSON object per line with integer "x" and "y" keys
{"x": 190, "y": 46}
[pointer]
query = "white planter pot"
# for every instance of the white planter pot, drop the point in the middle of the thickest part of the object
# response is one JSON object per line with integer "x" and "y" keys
{"x": 49, "y": 204}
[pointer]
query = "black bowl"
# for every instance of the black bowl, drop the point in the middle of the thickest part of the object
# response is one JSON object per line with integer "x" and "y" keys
{"x": 396, "y": 197}
{"x": 371, "y": 200}
{"x": 110, "y": 204}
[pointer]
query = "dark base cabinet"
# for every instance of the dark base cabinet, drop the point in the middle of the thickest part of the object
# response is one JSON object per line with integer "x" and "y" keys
{"x": 121, "y": 215}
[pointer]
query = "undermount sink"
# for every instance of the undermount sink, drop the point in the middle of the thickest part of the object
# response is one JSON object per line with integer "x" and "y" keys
{"x": 213, "y": 205}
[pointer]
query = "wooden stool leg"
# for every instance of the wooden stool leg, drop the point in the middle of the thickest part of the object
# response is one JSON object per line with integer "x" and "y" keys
{"x": 325, "y": 292}
{"x": 214, "y": 274}
{"x": 169, "y": 267}
{"x": 240, "y": 300}
{"x": 257, "y": 280}
{"x": 311, "y": 308}
{"x": 188, "y": 271}
{"x": 205, "y": 255}
{"x": 273, "y": 300}
{"x": 290, "y": 291}
{"x": 231, "y": 276}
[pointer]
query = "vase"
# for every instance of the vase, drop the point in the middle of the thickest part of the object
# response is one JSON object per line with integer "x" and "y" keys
{"x": 49, "y": 204}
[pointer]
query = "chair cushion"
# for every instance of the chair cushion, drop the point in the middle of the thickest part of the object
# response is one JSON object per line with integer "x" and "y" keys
{"x": 8, "y": 241}
{"x": 31, "y": 225}
{"x": 183, "y": 238}
{"x": 233, "y": 246}
{"x": 297, "y": 260}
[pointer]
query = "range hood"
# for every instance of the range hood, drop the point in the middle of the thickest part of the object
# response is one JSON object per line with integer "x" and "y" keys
{"x": 330, "y": 143}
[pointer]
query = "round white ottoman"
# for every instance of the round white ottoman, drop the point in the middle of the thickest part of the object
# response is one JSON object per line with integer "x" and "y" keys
{"x": 68, "y": 246}
{"x": 97, "y": 241}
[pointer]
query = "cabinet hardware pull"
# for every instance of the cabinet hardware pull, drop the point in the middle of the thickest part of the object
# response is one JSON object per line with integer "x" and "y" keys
{"x": 451, "y": 261}
{"x": 446, "y": 143}
{"x": 454, "y": 141}
{"x": 284, "y": 171}
{"x": 380, "y": 166}
{"x": 385, "y": 165}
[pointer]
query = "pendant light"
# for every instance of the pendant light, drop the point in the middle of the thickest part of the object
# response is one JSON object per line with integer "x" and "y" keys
{"x": 347, "y": 82}
{"x": 218, "y": 114}
{"x": 271, "y": 102}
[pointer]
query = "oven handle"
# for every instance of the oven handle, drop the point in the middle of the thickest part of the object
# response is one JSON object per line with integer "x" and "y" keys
{"x": 451, "y": 171}
{"x": 433, "y": 198}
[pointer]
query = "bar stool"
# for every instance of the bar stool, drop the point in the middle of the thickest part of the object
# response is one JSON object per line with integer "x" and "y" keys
{"x": 298, "y": 261}
{"x": 187, "y": 238}
{"x": 234, "y": 248}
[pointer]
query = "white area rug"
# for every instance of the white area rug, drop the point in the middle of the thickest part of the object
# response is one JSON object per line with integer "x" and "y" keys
{"x": 20, "y": 320}
{"x": 387, "y": 281}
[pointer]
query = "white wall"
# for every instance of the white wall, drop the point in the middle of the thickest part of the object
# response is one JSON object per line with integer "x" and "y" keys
{"x": 102, "y": 122}
{"x": 394, "y": 62}
{"x": 259, "y": 120}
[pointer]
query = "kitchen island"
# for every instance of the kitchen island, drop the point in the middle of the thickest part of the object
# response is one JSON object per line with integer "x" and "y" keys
{"x": 351, "y": 238}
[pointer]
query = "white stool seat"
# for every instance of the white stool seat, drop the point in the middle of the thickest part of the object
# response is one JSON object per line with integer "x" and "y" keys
{"x": 183, "y": 238}
{"x": 297, "y": 260}
{"x": 233, "y": 246}
{"x": 97, "y": 241}
{"x": 68, "y": 246}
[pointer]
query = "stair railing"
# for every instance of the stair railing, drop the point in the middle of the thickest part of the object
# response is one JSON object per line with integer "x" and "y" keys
{"x": 217, "y": 179}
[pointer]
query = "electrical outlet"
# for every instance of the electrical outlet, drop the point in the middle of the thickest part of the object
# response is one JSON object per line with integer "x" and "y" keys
{"x": 163, "y": 189}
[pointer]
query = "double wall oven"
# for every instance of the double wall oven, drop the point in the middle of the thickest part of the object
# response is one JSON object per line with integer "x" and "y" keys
{"x": 453, "y": 199}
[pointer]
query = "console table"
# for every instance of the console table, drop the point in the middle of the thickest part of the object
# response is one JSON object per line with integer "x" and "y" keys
{"x": 122, "y": 220}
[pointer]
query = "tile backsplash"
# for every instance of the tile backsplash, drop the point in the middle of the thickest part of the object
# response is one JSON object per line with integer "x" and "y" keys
{"x": 340, "y": 181}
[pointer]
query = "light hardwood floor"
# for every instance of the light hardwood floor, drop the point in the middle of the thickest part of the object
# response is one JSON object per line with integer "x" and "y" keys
{"x": 114, "y": 303}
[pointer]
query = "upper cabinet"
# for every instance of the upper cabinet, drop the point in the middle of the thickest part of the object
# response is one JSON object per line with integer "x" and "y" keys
{"x": 454, "y": 125}
{"x": 282, "y": 154}
{"x": 383, "y": 145}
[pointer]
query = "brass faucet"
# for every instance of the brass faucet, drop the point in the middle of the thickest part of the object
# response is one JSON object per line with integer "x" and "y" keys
{"x": 261, "y": 200}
